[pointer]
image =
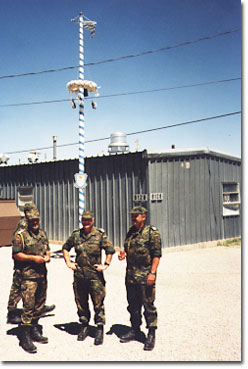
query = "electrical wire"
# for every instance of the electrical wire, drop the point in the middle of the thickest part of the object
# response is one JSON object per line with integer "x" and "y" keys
{"x": 134, "y": 133}
{"x": 122, "y": 93}
{"x": 123, "y": 57}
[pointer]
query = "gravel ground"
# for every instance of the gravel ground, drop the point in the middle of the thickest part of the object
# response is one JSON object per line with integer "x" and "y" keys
{"x": 198, "y": 301}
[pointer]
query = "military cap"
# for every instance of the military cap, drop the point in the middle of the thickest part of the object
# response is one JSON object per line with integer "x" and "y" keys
{"x": 138, "y": 210}
{"x": 29, "y": 205}
{"x": 87, "y": 214}
{"x": 33, "y": 214}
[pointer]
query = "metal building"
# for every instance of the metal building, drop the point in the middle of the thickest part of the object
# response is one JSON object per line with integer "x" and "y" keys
{"x": 192, "y": 195}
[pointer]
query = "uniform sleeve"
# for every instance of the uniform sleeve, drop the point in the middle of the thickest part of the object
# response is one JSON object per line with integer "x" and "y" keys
{"x": 69, "y": 243}
{"x": 17, "y": 244}
{"x": 156, "y": 247}
{"x": 47, "y": 242}
{"x": 107, "y": 245}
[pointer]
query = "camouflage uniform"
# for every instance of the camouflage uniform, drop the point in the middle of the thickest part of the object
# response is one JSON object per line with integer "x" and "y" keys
{"x": 87, "y": 280}
{"x": 15, "y": 289}
{"x": 141, "y": 247}
{"x": 34, "y": 275}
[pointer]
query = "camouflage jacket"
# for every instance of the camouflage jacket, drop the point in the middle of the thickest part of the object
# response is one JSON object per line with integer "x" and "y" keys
{"x": 141, "y": 247}
{"x": 29, "y": 243}
{"x": 88, "y": 249}
{"x": 20, "y": 226}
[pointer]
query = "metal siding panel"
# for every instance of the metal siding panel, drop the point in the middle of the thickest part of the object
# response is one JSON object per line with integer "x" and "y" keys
{"x": 171, "y": 194}
{"x": 164, "y": 223}
{"x": 202, "y": 205}
{"x": 176, "y": 204}
{"x": 206, "y": 197}
{"x": 192, "y": 196}
{"x": 181, "y": 202}
{"x": 188, "y": 214}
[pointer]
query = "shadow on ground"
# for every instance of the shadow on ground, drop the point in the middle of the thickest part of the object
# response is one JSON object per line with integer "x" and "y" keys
{"x": 74, "y": 328}
{"x": 14, "y": 332}
{"x": 119, "y": 330}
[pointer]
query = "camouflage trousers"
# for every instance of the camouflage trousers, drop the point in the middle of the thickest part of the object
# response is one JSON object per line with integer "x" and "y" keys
{"x": 139, "y": 295}
{"x": 34, "y": 298}
{"x": 15, "y": 290}
{"x": 83, "y": 288}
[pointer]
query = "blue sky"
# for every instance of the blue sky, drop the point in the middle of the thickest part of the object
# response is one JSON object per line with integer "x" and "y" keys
{"x": 38, "y": 35}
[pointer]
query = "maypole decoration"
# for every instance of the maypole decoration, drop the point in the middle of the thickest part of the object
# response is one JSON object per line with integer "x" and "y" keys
{"x": 81, "y": 87}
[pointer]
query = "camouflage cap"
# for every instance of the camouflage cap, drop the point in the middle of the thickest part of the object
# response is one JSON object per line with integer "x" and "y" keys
{"x": 87, "y": 214}
{"x": 33, "y": 214}
{"x": 139, "y": 210}
{"x": 29, "y": 205}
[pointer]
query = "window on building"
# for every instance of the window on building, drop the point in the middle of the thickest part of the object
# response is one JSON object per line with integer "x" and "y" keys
{"x": 25, "y": 195}
{"x": 231, "y": 199}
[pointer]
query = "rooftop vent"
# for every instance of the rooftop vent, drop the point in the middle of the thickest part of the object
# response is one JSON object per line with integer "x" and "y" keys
{"x": 4, "y": 158}
{"x": 118, "y": 143}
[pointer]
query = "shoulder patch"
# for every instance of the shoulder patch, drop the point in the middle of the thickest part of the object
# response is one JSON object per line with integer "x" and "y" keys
{"x": 76, "y": 231}
{"x": 154, "y": 228}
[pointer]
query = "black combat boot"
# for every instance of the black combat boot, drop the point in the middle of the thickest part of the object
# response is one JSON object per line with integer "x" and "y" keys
{"x": 36, "y": 334}
{"x": 99, "y": 335}
{"x": 133, "y": 335}
{"x": 13, "y": 317}
{"x": 150, "y": 341}
{"x": 83, "y": 333}
{"x": 25, "y": 340}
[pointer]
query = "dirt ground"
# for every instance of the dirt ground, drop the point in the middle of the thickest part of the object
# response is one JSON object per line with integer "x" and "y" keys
{"x": 199, "y": 312}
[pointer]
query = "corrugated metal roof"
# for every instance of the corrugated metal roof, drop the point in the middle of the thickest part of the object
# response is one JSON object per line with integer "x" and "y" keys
{"x": 150, "y": 155}
{"x": 192, "y": 151}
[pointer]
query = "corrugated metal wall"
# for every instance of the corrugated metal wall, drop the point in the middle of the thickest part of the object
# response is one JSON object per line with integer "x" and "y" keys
{"x": 112, "y": 181}
{"x": 191, "y": 209}
{"x": 191, "y": 185}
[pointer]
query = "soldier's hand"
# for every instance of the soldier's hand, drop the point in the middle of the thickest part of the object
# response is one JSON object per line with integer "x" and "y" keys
{"x": 47, "y": 259}
{"x": 151, "y": 279}
{"x": 39, "y": 259}
{"x": 100, "y": 267}
{"x": 72, "y": 266}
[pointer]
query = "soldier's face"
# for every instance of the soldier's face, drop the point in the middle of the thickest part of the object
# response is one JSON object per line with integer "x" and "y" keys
{"x": 87, "y": 224}
{"x": 138, "y": 220}
{"x": 33, "y": 224}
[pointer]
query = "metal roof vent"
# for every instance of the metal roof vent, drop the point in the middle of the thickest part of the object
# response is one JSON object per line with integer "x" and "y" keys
{"x": 4, "y": 158}
{"x": 118, "y": 143}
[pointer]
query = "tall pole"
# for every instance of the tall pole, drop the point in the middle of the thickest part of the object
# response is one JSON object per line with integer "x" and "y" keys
{"x": 81, "y": 116}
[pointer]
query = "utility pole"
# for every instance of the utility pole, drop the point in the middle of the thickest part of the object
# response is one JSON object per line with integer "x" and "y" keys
{"x": 54, "y": 147}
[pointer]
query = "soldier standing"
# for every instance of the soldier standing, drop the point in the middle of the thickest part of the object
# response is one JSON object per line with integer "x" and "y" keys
{"x": 89, "y": 242}
{"x": 143, "y": 252}
{"x": 31, "y": 252}
{"x": 15, "y": 290}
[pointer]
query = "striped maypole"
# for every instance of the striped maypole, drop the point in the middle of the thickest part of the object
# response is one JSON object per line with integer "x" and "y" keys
{"x": 81, "y": 176}
{"x": 81, "y": 115}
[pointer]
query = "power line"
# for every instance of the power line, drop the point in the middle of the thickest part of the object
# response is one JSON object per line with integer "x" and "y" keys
{"x": 135, "y": 133}
{"x": 123, "y": 93}
{"x": 123, "y": 57}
